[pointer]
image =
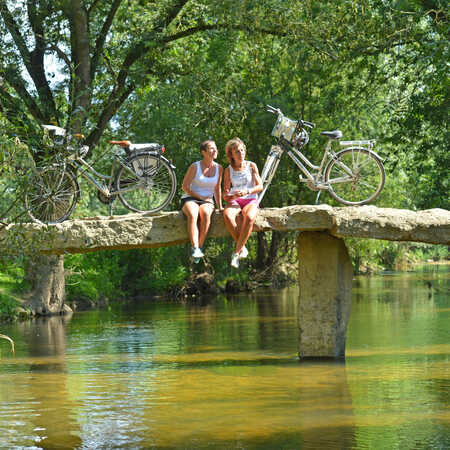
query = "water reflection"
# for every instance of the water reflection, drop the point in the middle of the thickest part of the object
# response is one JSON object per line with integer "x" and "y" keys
{"x": 224, "y": 373}
{"x": 37, "y": 405}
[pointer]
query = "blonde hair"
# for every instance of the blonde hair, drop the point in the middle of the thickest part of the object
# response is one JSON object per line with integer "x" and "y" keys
{"x": 230, "y": 146}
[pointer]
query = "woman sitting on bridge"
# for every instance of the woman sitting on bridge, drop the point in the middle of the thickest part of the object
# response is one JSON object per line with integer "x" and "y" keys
{"x": 202, "y": 181}
{"x": 241, "y": 186}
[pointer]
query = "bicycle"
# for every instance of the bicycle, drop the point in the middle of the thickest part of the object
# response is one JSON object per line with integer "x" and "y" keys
{"x": 352, "y": 176}
{"x": 143, "y": 179}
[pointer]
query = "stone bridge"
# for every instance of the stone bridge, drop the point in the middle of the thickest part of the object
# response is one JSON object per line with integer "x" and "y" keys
{"x": 325, "y": 270}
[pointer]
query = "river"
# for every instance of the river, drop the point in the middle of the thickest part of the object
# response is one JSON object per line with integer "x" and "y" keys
{"x": 223, "y": 373}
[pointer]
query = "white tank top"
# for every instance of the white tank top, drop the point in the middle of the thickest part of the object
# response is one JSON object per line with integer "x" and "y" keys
{"x": 242, "y": 179}
{"x": 201, "y": 185}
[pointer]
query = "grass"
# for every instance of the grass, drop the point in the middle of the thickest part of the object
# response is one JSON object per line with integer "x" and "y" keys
{"x": 8, "y": 299}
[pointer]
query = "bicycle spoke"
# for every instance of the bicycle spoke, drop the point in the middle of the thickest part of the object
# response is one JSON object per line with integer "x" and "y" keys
{"x": 370, "y": 186}
{"x": 365, "y": 182}
{"x": 340, "y": 180}
{"x": 52, "y": 195}
{"x": 151, "y": 185}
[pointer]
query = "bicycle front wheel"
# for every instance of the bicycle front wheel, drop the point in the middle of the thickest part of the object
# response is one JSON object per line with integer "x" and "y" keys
{"x": 147, "y": 184}
{"x": 52, "y": 195}
{"x": 355, "y": 177}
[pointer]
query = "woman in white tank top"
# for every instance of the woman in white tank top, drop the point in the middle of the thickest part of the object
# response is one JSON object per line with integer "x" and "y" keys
{"x": 201, "y": 183}
{"x": 242, "y": 184}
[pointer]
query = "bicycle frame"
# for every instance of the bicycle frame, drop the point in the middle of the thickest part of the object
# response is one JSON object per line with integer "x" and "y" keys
{"x": 313, "y": 178}
{"x": 296, "y": 155}
{"x": 89, "y": 173}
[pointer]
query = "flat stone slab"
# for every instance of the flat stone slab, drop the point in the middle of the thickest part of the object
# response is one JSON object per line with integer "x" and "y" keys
{"x": 169, "y": 228}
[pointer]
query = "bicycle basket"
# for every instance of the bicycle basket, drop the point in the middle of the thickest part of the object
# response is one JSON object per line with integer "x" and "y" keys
{"x": 56, "y": 134}
{"x": 284, "y": 128}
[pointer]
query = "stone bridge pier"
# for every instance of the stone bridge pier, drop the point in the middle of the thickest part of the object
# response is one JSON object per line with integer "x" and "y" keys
{"x": 325, "y": 280}
{"x": 324, "y": 273}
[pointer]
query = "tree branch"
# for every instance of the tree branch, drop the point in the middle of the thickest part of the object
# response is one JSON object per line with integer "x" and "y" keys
{"x": 172, "y": 13}
{"x": 14, "y": 30}
{"x": 101, "y": 38}
{"x": 93, "y": 5}
{"x": 79, "y": 24}
{"x": 11, "y": 108}
{"x": 113, "y": 104}
{"x": 33, "y": 61}
{"x": 37, "y": 73}
{"x": 14, "y": 79}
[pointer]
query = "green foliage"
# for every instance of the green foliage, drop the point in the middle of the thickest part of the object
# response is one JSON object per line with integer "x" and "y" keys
{"x": 370, "y": 255}
{"x": 8, "y": 307}
{"x": 94, "y": 276}
{"x": 10, "y": 283}
{"x": 153, "y": 271}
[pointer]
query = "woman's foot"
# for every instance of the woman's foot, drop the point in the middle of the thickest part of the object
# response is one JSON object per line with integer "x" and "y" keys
{"x": 235, "y": 260}
{"x": 244, "y": 252}
{"x": 196, "y": 252}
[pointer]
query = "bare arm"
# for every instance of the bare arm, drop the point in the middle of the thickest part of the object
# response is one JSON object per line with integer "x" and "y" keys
{"x": 218, "y": 189}
{"x": 227, "y": 186}
{"x": 258, "y": 187}
{"x": 187, "y": 181}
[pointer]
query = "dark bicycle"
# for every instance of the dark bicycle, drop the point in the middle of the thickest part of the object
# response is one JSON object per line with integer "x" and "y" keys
{"x": 142, "y": 178}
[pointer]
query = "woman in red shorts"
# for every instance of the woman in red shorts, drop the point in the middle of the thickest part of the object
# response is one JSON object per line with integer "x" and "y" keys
{"x": 242, "y": 184}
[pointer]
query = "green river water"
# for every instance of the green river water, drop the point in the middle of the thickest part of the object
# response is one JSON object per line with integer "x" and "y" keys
{"x": 223, "y": 373}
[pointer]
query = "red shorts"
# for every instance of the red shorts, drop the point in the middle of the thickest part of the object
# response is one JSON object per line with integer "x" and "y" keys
{"x": 242, "y": 202}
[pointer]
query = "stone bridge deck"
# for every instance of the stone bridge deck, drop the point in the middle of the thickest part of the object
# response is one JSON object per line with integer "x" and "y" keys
{"x": 169, "y": 228}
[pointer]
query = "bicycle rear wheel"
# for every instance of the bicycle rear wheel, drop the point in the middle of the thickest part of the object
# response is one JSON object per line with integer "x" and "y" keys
{"x": 147, "y": 184}
{"x": 355, "y": 177}
{"x": 52, "y": 195}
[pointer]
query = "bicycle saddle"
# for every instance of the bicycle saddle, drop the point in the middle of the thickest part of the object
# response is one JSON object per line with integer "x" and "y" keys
{"x": 121, "y": 143}
{"x": 336, "y": 134}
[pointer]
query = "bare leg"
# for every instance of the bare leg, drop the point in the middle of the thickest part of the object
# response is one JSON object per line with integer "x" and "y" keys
{"x": 190, "y": 210}
{"x": 230, "y": 218}
{"x": 249, "y": 213}
{"x": 205, "y": 212}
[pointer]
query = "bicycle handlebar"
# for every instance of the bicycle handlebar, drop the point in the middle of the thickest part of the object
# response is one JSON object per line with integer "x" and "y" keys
{"x": 308, "y": 124}
{"x": 273, "y": 110}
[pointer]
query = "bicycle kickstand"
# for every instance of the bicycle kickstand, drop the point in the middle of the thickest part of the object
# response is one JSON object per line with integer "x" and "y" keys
{"x": 111, "y": 209}
{"x": 317, "y": 197}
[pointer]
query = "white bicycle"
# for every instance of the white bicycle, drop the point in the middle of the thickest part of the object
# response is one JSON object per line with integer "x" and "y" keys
{"x": 352, "y": 176}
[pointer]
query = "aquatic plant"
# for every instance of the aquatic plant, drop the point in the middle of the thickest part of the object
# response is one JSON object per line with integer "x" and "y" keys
{"x": 2, "y": 336}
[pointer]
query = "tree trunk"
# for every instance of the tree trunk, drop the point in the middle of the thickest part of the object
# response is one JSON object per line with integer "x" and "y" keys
{"x": 46, "y": 275}
{"x": 261, "y": 251}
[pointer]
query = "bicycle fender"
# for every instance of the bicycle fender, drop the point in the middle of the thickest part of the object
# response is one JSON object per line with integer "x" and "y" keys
{"x": 167, "y": 161}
